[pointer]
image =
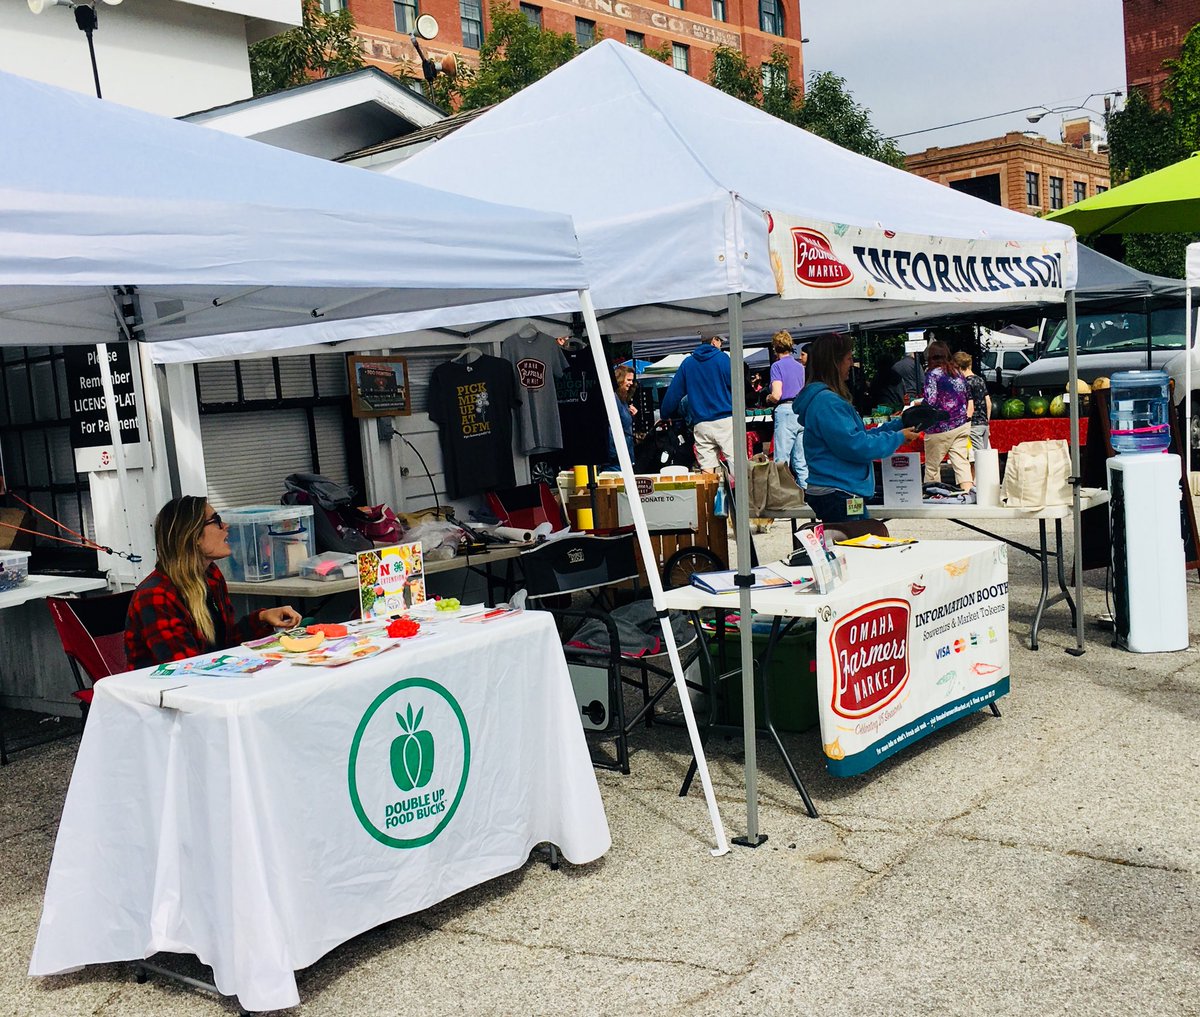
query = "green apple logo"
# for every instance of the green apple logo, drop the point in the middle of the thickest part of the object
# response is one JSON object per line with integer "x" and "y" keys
{"x": 412, "y": 752}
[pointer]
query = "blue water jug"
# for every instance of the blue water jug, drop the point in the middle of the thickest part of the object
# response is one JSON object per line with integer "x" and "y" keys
{"x": 1138, "y": 413}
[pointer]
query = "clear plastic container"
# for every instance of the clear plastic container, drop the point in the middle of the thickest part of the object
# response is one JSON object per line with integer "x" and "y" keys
{"x": 1138, "y": 413}
{"x": 329, "y": 566}
{"x": 268, "y": 542}
{"x": 14, "y": 569}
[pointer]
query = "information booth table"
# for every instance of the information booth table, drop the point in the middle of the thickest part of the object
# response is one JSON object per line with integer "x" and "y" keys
{"x": 259, "y": 821}
{"x": 915, "y": 637}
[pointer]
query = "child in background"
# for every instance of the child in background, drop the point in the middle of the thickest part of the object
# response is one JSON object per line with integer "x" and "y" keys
{"x": 981, "y": 401}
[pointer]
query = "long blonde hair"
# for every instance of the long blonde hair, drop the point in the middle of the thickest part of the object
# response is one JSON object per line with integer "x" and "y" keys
{"x": 177, "y": 531}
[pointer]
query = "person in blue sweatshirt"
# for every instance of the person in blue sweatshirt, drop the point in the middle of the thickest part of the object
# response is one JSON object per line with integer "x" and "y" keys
{"x": 839, "y": 450}
{"x": 704, "y": 377}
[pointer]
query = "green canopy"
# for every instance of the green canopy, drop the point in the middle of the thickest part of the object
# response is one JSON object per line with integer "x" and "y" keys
{"x": 1165, "y": 201}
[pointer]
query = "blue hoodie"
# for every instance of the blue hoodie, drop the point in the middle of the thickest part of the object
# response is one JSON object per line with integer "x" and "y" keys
{"x": 839, "y": 450}
{"x": 704, "y": 378}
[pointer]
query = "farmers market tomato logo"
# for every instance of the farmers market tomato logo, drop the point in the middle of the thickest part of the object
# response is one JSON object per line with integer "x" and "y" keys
{"x": 409, "y": 762}
{"x": 870, "y": 657}
{"x": 815, "y": 263}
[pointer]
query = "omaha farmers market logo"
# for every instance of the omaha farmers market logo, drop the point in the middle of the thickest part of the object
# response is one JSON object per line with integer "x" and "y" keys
{"x": 870, "y": 657}
{"x": 815, "y": 263}
{"x": 409, "y": 763}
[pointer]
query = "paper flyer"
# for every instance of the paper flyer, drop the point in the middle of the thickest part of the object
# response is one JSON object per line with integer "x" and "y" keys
{"x": 390, "y": 580}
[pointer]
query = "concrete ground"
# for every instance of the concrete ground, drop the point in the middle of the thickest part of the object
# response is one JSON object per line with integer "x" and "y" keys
{"x": 1047, "y": 862}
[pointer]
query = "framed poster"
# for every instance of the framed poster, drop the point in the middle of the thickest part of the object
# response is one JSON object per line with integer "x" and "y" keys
{"x": 379, "y": 386}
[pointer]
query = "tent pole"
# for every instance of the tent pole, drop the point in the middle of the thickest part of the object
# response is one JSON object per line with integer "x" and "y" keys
{"x": 1076, "y": 507}
{"x": 609, "y": 397}
{"x": 741, "y": 499}
{"x": 1190, "y": 335}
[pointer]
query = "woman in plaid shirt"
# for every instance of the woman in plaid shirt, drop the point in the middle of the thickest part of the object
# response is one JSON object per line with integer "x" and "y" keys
{"x": 182, "y": 608}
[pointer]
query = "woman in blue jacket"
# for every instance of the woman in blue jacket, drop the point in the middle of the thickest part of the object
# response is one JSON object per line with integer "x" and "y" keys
{"x": 839, "y": 450}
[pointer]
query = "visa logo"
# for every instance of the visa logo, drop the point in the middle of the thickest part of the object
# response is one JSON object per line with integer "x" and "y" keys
{"x": 943, "y": 651}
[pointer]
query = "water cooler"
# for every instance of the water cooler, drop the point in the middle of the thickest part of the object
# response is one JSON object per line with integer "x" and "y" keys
{"x": 1148, "y": 574}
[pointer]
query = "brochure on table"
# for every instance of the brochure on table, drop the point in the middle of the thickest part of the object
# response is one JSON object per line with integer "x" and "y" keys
{"x": 390, "y": 580}
{"x": 902, "y": 477}
{"x": 922, "y": 654}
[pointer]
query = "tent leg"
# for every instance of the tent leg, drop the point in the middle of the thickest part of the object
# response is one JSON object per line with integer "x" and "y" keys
{"x": 654, "y": 579}
{"x": 1076, "y": 479}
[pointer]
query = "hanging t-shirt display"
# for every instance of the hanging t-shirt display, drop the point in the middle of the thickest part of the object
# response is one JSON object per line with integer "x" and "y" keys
{"x": 539, "y": 363}
{"x": 581, "y": 411}
{"x": 472, "y": 405}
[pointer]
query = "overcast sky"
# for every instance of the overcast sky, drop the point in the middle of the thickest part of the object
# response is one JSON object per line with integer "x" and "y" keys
{"x": 925, "y": 63}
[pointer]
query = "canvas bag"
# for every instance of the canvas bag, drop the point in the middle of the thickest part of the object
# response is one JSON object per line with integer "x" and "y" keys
{"x": 773, "y": 489}
{"x": 1038, "y": 474}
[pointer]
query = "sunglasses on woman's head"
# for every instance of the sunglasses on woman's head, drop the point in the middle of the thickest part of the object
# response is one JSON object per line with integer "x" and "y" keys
{"x": 214, "y": 520}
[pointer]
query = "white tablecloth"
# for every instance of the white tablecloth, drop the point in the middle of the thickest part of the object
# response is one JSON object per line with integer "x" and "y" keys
{"x": 259, "y": 822}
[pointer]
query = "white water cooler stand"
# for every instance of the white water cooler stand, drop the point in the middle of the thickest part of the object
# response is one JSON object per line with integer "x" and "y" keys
{"x": 1149, "y": 580}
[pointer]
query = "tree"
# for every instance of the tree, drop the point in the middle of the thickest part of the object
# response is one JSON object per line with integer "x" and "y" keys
{"x": 1142, "y": 139}
{"x": 826, "y": 107}
{"x": 515, "y": 54}
{"x": 322, "y": 46}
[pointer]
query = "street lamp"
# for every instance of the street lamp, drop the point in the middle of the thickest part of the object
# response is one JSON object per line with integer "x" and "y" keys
{"x": 85, "y": 19}
{"x": 1033, "y": 118}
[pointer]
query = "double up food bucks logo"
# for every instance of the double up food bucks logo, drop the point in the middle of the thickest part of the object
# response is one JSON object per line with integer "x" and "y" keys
{"x": 869, "y": 647}
{"x": 409, "y": 763}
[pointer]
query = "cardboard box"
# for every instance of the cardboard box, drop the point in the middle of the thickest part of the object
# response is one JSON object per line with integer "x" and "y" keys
{"x": 13, "y": 540}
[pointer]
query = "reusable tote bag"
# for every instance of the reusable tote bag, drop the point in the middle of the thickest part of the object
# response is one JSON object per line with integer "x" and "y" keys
{"x": 1038, "y": 474}
{"x": 773, "y": 489}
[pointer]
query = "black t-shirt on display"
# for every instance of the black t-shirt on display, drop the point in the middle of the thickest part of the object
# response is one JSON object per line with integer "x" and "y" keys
{"x": 581, "y": 410}
{"x": 472, "y": 404}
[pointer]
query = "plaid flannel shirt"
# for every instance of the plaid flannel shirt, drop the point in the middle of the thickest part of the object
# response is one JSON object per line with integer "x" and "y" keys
{"x": 159, "y": 626}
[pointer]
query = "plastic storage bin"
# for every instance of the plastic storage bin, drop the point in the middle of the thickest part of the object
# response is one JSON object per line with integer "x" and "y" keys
{"x": 14, "y": 569}
{"x": 268, "y": 542}
{"x": 1138, "y": 416}
{"x": 793, "y": 678}
{"x": 329, "y": 566}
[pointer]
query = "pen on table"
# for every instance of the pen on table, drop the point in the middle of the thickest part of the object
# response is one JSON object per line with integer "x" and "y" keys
{"x": 906, "y": 547}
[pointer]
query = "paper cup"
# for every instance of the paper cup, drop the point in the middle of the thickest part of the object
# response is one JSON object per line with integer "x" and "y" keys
{"x": 583, "y": 519}
{"x": 581, "y": 476}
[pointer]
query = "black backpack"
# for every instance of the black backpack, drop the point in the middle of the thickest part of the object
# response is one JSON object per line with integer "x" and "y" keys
{"x": 337, "y": 523}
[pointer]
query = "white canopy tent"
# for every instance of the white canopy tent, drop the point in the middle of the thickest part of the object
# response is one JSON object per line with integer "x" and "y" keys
{"x": 698, "y": 212}
{"x": 118, "y": 224}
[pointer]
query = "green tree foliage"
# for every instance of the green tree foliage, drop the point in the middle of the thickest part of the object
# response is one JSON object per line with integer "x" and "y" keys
{"x": 324, "y": 45}
{"x": 1142, "y": 139}
{"x": 826, "y": 108}
{"x": 515, "y": 53}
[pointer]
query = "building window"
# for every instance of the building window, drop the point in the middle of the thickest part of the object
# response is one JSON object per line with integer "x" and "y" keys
{"x": 470, "y": 13}
{"x": 719, "y": 10}
{"x": 770, "y": 16}
{"x": 1033, "y": 189}
{"x": 1100, "y": 188}
{"x": 1080, "y": 190}
{"x": 333, "y": 6}
{"x": 635, "y": 40}
{"x": 406, "y": 16}
{"x": 769, "y": 75}
{"x": 1056, "y": 192}
{"x": 677, "y": 4}
{"x": 585, "y": 33}
{"x": 532, "y": 14}
{"x": 679, "y": 57}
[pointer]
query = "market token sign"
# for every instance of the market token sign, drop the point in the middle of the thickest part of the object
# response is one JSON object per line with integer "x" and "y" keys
{"x": 409, "y": 763}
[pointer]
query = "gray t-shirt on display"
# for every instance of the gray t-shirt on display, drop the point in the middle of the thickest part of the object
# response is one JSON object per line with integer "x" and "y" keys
{"x": 538, "y": 362}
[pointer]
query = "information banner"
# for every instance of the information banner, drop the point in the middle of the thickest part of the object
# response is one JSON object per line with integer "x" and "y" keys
{"x": 814, "y": 260}
{"x": 902, "y": 477}
{"x": 921, "y": 655}
{"x": 89, "y": 411}
{"x": 390, "y": 580}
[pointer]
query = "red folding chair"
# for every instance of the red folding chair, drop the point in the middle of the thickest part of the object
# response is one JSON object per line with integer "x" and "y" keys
{"x": 92, "y": 631}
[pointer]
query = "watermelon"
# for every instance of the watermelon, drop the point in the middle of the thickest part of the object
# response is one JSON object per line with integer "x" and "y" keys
{"x": 1014, "y": 408}
{"x": 1058, "y": 408}
{"x": 1039, "y": 406}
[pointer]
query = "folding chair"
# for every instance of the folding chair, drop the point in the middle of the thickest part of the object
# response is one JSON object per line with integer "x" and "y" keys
{"x": 92, "y": 631}
{"x": 602, "y": 639}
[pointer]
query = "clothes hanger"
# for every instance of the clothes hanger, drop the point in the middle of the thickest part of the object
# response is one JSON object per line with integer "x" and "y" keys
{"x": 471, "y": 353}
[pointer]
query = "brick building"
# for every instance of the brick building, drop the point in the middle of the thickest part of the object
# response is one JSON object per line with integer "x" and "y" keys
{"x": 1154, "y": 32}
{"x": 691, "y": 28}
{"x": 1029, "y": 174}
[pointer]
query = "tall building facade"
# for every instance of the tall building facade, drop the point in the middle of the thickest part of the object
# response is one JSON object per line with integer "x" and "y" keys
{"x": 691, "y": 29}
{"x": 1028, "y": 174}
{"x": 1154, "y": 32}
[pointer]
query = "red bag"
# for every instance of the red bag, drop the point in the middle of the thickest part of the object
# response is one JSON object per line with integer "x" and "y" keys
{"x": 382, "y": 525}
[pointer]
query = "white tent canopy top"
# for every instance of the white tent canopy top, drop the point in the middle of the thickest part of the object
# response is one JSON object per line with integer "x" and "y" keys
{"x": 206, "y": 233}
{"x": 674, "y": 188}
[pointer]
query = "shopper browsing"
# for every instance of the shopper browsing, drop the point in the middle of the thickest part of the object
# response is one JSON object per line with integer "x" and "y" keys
{"x": 183, "y": 608}
{"x": 946, "y": 389}
{"x": 787, "y": 379}
{"x": 623, "y": 382}
{"x": 704, "y": 377}
{"x": 839, "y": 450}
{"x": 981, "y": 402}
